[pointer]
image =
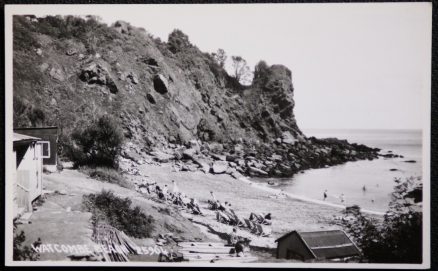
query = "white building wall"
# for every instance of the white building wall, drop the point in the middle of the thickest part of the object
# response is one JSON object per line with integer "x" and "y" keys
{"x": 29, "y": 172}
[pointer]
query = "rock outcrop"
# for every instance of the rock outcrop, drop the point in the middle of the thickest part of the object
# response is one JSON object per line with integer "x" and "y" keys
{"x": 165, "y": 95}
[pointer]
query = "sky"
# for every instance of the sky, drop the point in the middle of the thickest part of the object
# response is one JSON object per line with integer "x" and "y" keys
{"x": 354, "y": 66}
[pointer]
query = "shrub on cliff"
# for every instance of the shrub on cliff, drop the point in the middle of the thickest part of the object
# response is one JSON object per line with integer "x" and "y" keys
{"x": 241, "y": 71}
{"x": 261, "y": 72}
{"x": 398, "y": 239}
{"x": 220, "y": 57}
{"x": 98, "y": 144}
{"x": 178, "y": 41}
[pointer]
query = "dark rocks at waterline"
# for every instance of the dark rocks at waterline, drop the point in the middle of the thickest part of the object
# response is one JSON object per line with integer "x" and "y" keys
{"x": 391, "y": 155}
{"x": 261, "y": 159}
{"x": 410, "y": 161}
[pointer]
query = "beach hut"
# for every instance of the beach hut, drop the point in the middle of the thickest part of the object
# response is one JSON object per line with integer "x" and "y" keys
{"x": 27, "y": 176}
{"x": 316, "y": 245}
{"x": 48, "y": 138}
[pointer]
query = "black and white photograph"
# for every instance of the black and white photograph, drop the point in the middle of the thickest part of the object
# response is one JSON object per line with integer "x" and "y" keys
{"x": 218, "y": 135}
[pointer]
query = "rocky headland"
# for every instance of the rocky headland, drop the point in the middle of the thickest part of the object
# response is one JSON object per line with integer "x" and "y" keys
{"x": 173, "y": 102}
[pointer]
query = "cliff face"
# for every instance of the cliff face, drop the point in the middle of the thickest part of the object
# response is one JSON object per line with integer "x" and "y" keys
{"x": 68, "y": 71}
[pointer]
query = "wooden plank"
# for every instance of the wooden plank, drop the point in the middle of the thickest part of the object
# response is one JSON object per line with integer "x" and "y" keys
{"x": 220, "y": 250}
{"x": 200, "y": 256}
{"x": 238, "y": 259}
{"x": 210, "y": 256}
{"x": 199, "y": 244}
{"x": 223, "y": 259}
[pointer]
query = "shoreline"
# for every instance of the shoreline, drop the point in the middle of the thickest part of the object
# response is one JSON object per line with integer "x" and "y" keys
{"x": 305, "y": 199}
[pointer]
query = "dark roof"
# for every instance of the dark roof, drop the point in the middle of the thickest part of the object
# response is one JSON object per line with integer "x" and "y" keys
{"x": 24, "y": 138}
{"x": 327, "y": 244}
{"x": 36, "y": 128}
{"x": 284, "y": 236}
{"x": 330, "y": 244}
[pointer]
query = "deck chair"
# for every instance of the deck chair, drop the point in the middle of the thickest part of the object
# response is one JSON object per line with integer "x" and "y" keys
{"x": 238, "y": 221}
{"x": 195, "y": 209}
{"x": 255, "y": 217}
{"x": 266, "y": 221}
{"x": 263, "y": 231}
{"x": 222, "y": 217}
{"x": 249, "y": 224}
{"x": 212, "y": 205}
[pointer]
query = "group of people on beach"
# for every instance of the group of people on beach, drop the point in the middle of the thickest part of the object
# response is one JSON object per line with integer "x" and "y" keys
{"x": 225, "y": 214}
{"x": 342, "y": 196}
{"x": 174, "y": 196}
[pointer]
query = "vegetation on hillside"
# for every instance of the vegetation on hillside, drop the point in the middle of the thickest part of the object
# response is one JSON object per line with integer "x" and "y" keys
{"x": 36, "y": 95}
{"x": 118, "y": 212}
{"x": 89, "y": 30}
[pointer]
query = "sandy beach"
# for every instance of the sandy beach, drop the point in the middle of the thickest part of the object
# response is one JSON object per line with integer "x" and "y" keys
{"x": 288, "y": 213}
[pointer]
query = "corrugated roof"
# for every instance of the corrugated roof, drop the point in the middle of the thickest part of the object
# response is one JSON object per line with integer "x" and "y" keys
{"x": 329, "y": 244}
{"x": 336, "y": 252}
{"x": 20, "y": 137}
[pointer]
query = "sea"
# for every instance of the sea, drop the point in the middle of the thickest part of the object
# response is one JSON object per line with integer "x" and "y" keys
{"x": 368, "y": 184}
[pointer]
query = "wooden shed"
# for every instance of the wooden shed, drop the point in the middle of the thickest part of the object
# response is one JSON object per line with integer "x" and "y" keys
{"x": 316, "y": 245}
{"x": 28, "y": 160}
{"x": 48, "y": 138}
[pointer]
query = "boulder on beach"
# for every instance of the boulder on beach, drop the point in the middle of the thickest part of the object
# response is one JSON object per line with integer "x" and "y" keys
{"x": 189, "y": 153}
{"x": 161, "y": 156}
{"x": 256, "y": 171}
{"x": 219, "y": 157}
{"x": 132, "y": 155}
{"x": 219, "y": 167}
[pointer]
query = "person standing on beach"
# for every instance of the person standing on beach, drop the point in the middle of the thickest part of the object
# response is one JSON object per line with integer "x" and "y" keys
{"x": 233, "y": 237}
{"x": 175, "y": 189}
{"x": 325, "y": 194}
{"x": 212, "y": 195}
{"x": 364, "y": 189}
{"x": 342, "y": 198}
{"x": 165, "y": 190}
